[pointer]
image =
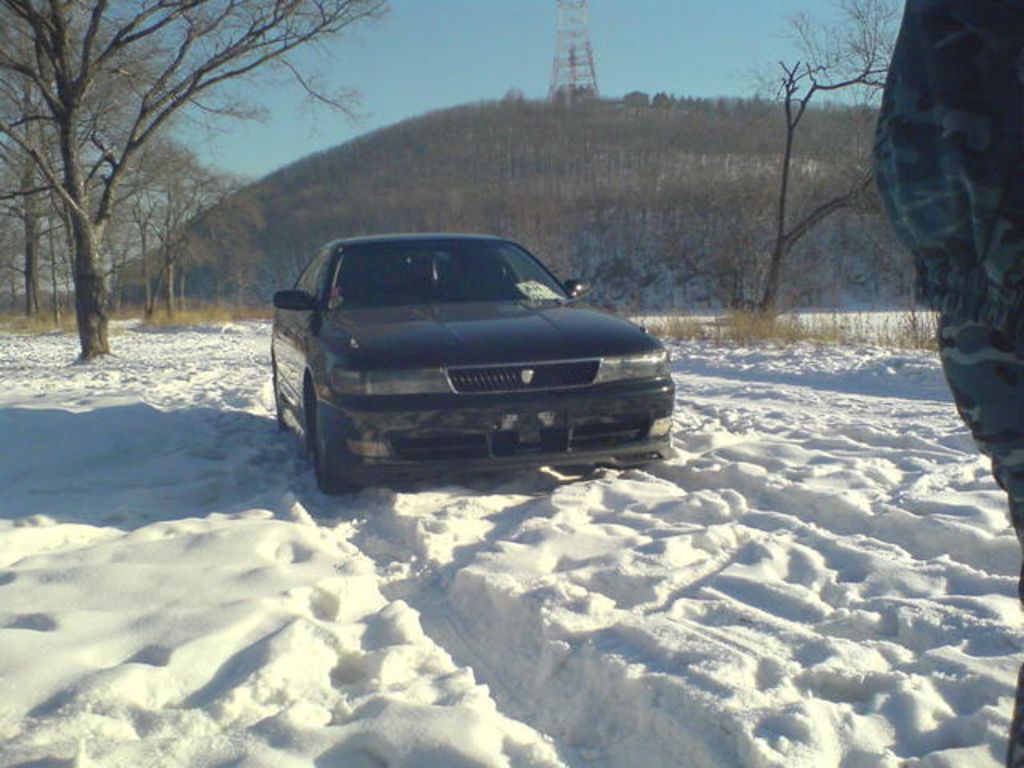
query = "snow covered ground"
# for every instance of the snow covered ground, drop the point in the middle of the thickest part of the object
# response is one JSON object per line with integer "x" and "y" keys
{"x": 824, "y": 576}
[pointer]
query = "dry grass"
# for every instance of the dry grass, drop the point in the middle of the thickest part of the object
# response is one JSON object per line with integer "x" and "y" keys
{"x": 37, "y": 324}
{"x": 908, "y": 330}
{"x": 915, "y": 330}
{"x": 208, "y": 315}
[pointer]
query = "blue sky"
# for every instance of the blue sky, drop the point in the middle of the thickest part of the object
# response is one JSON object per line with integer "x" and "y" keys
{"x": 430, "y": 54}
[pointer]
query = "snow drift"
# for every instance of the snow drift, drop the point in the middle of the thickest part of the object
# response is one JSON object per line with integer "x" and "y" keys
{"x": 824, "y": 576}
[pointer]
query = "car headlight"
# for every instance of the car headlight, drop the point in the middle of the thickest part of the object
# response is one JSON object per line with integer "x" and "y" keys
{"x": 650, "y": 365}
{"x": 421, "y": 381}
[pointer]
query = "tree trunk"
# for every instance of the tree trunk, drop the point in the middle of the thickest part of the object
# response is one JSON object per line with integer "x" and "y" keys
{"x": 30, "y": 217}
{"x": 53, "y": 279}
{"x": 169, "y": 288}
{"x": 770, "y": 294}
{"x": 30, "y": 220}
{"x": 90, "y": 290}
{"x": 148, "y": 306}
{"x": 86, "y": 237}
{"x": 181, "y": 287}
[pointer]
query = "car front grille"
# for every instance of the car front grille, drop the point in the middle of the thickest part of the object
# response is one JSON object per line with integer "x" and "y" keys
{"x": 585, "y": 434}
{"x": 515, "y": 378}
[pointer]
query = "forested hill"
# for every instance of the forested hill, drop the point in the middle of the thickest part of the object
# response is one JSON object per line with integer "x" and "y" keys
{"x": 663, "y": 204}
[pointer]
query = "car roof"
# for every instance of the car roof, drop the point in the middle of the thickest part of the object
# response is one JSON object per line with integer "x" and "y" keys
{"x": 417, "y": 236}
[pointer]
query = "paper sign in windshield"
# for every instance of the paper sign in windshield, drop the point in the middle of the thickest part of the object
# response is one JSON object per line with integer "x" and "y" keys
{"x": 535, "y": 291}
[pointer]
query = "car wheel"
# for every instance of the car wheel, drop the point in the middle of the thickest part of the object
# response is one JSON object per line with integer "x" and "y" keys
{"x": 318, "y": 451}
{"x": 278, "y": 407}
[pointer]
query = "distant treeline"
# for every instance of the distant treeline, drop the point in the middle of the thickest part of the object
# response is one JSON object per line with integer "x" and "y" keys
{"x": 662, "y": 203}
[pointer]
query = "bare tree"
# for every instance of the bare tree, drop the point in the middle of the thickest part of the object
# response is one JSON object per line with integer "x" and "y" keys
{"x": 10, "y": 274}
{"x": 850, "y": 57}
{"x": 23, "y": 193}
{"x": 222, "y": 239}
{"x": 110, "y": 75}
{"x": 172, "y": 188}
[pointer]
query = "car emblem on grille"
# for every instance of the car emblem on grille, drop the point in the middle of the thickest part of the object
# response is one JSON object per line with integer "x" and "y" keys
{"x": 526, "y": 375}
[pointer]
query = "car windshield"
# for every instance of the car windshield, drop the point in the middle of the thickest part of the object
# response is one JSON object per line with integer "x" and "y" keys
{"x": 392, "y": 273}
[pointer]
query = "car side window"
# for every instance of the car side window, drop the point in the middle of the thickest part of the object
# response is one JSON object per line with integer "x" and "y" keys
{"x": 312, "y": 278}
{"x": 334, "y": 298}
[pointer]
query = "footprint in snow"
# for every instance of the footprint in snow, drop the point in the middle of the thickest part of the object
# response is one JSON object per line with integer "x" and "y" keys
{"x": 151, "y": 655}
{"x": 291, "y": 554}
{"x": 324, "y": 604}
{"x": 37, "y": 622}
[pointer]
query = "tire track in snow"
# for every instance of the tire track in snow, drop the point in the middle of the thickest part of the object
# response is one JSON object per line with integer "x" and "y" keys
{"x": 860, "y": 467}
{"x": 600, "y": 690}
{"x": 791, "y": 579}
{"x": 821, "y": 578}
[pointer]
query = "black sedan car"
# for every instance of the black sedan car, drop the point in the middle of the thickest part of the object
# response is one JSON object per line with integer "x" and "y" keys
{"x": 416, "y": 355}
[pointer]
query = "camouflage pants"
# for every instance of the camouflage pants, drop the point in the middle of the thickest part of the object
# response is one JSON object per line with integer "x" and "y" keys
{"x": 985, "y": 371}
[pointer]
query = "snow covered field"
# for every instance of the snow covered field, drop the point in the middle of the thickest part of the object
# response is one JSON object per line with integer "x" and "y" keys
{"x": 824, "y": 576}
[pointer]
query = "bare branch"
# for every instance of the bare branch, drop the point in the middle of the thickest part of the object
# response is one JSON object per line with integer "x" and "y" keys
{"x": 21, "y": 193}
{"x": 267, "y": 38}
{"x": 41, "y": 163}
{"x": 848, "y": 57}
{"x": 338, "y": 102}
{"x": 108, "y": 77}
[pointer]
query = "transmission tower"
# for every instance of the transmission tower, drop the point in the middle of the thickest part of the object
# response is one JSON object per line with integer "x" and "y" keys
{"x": 574, "y": 73}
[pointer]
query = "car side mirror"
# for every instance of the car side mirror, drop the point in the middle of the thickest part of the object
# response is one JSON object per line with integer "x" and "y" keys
{"x": 576, "y": 288}
{"x": 296, "y": 301}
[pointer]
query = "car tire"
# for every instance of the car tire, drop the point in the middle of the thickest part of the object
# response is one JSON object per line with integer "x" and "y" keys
{"x": 575, "y": 470}
{"x": 318, "y": 451}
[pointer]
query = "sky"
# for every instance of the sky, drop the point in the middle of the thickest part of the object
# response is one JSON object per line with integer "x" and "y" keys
{"x": 431, "y": 54}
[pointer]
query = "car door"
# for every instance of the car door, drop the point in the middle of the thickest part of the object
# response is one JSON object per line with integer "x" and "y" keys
{"x": 295, "y": 331}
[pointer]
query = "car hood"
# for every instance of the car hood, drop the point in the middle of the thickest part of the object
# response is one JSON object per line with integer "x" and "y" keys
{"x": 479, "y": 334}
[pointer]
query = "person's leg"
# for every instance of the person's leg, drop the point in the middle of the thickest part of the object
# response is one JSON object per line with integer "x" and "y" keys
{"x": 1015, "y": 748}
{"x": 985, "y": 371}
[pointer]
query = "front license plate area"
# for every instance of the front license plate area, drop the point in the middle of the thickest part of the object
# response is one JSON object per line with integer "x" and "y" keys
{"x": 539, "y": 432}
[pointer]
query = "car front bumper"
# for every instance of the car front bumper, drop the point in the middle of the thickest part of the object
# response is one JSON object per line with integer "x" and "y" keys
{"x": 373, "y": 439}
